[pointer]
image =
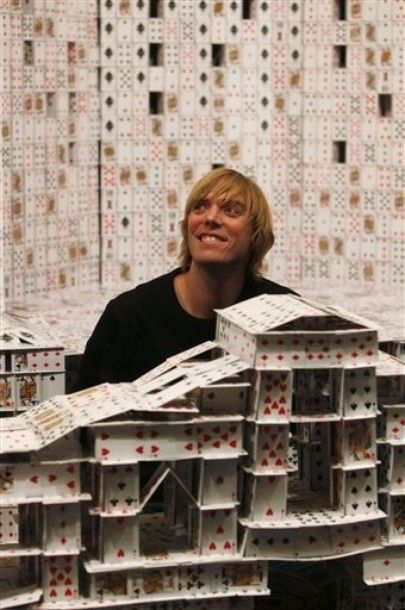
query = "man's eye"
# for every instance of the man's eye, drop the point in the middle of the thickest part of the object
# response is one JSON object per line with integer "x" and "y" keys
{"x": 200, "y": 205}
{"x": 233, "y": 207}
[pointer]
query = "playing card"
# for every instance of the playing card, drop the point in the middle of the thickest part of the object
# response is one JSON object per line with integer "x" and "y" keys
{"x": 396, "y": 518}
{"x": 355, "y": 537}
{"x": 268, "y": 497}
{"x": 359, "y": 441}
{"x": 359, "y": 392}
{"x": 313, "y": 541}
{"x": 272, "y": 395}
{"x": 108, "y": 585}
{"x": 120, "y": 539}
{"x": 60, "y": 578}
{"x": 395, "y": 422}
{"x": 194, "y": 579}
{"x": 62, "y": 528}
{"x": 154, "y": 583}
{"x": 224, "y": 398}
{"x": 9, "y": 525}
{"x": 360, "y": 492}
{"x": 7, "y": 393}
{"x": 218, "y": 531}
{"x": 270, "y": 452}
{"x": 384, "y": 566}
{"x": 219, "y": 481}
{"x": 28, "y": 390}
{"x": 224, "y": 436}
{"x": 52, "y": 384}
{"x": 121, "y": 488}
{"x": 397, "y": 469}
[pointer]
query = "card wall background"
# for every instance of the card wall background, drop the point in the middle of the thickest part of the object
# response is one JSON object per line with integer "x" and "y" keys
{"x": 50, "y": 139}
{"x": 291, "y": 95}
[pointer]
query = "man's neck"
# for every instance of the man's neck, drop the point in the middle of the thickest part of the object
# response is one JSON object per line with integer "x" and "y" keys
{"x": 202, "y": 289}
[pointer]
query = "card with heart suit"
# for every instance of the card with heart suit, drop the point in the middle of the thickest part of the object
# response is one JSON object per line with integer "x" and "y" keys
{"x": 120, "y": 539}
{"x": 218, "y": 531}
{"x": 268, "y": 495}
{"x": 224, "y": 436}
{"x": 272, "y": 395}
{"x": 60, "y": 578}
{"x": 218, "y": 481}
{"x": 270, "y": 448}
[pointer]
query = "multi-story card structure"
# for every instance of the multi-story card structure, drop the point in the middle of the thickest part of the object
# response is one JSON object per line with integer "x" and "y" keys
{"x": 180, "y": 486}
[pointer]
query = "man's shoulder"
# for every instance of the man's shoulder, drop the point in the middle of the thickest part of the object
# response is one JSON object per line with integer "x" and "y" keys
{"x": 147, "y": 291}
{"x": 262, "y": 285}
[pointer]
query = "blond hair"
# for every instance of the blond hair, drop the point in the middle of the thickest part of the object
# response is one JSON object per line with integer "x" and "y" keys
{"x": 227, "y": 181}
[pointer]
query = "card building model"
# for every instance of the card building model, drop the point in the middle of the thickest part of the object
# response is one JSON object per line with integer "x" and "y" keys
{"x": 182, "y": 485}
{"x": 31, "y": 366}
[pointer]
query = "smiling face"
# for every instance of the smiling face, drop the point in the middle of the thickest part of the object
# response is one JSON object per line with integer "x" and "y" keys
{"x": 219, "y": 231}
{"x": 253, "y": 222}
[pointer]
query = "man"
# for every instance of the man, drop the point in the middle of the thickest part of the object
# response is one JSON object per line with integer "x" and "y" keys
{"x": 227, "y": 230}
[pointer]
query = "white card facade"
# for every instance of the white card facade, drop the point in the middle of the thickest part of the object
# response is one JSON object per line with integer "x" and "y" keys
{"x": 304, "y": 96}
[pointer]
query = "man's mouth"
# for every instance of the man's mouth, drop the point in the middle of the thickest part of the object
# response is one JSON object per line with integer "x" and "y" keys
{"x": 208, "y": 237}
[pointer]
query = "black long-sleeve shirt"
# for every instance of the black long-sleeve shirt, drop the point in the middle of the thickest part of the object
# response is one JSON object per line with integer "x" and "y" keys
{"x": 142, "y": 327}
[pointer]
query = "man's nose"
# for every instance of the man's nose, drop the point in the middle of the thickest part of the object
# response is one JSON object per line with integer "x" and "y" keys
{"x": 213, "y": 214}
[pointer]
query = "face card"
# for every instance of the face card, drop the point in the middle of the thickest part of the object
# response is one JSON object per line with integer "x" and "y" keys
{"x": 7, "y": 394}
{"x": 359, "y": 441}
{"x": 28, "y": 390}
{"x": 109, "y": 584}
{"x": 244, "y": 576}
{"x": 156, "y": 582}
